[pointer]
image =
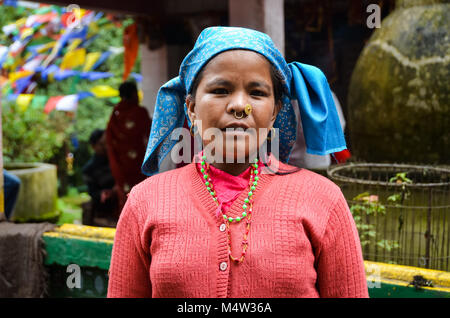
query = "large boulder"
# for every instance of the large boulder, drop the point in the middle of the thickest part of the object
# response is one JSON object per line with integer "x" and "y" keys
{"x": 399, "y": 97}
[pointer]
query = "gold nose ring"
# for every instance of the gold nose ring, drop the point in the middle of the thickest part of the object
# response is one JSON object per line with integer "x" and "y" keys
{"x": 248, "y": 109}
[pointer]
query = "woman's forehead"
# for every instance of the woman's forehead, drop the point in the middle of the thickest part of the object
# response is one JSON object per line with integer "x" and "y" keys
{"x": 238, "y": 56}
{"x": 237, "y": 61}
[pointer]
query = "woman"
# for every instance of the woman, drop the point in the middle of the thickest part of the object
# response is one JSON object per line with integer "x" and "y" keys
{"x": 126, "y": 138}
{"x": 249, "y": 226}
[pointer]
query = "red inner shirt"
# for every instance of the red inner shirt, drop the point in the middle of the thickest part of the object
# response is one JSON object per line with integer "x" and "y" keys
{"x": 227, "y": 186}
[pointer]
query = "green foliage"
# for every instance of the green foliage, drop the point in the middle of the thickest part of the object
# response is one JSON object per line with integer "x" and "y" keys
{"x": 31, "y": 135}
{"x": 388, "y": 245}
{"x": 70, "y": 206}
{"x": 400, "y": 178}
{"x": 366, "y": 205}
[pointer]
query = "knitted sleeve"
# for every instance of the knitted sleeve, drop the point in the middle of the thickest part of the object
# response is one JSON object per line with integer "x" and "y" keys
{"x": 129, "y": 270}
{"x": 340, "y": 265}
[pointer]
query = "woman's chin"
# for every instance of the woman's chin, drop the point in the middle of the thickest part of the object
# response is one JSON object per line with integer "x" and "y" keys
{"x": 232, "y": 150}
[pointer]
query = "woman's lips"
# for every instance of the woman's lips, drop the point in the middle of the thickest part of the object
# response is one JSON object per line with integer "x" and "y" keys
{"x": 235, "y": 126}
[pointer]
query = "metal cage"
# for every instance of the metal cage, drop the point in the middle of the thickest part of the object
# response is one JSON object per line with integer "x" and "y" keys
{"x": 414, "y": 229}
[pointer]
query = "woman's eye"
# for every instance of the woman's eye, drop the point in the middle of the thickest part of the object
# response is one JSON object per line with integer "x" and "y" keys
{"x": 258, "y": 93}
{"x": 220, "y": 91}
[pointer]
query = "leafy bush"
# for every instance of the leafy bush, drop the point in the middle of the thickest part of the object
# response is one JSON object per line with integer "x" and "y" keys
{"x": 32, "y": 135}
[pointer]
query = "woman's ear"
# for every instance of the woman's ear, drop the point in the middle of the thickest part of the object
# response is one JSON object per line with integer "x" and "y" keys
{"x": 190, "y": 105}
{"x": 276, "y": 110}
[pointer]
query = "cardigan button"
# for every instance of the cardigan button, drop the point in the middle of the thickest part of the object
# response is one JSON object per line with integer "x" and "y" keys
{"x": 223, "y": 266}
{"x": 222, "y": 227}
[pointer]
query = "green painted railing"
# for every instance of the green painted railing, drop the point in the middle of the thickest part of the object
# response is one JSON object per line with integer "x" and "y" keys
{"x": 90, "y": 248}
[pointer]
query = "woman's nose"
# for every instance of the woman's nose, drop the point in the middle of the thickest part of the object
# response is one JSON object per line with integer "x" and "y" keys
{"x": 237, "y": 103}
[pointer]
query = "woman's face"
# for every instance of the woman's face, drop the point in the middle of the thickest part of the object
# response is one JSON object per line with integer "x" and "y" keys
{"x": 229, "y": 82}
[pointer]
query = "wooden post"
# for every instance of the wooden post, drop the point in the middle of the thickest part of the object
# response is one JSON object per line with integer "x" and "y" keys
{"x": 263, "y": 15}
{"x": 154, "y": 65}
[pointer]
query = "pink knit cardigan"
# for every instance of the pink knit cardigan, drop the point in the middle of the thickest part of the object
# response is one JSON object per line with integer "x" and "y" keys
{"x": 302, "y": 243}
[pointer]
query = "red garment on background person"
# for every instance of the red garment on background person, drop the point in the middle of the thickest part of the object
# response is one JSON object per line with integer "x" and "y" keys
{"x": 126, "y": 138}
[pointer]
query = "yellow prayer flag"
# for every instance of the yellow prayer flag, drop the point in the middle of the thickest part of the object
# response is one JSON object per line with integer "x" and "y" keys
{"x": 14, "y": 76}
{"x": 23, "y": 101}
{"x": 81, "y": 13}
{"x": 16, "y": 62}
{"x": 104, "y": 91}
{"x": 26, "y": 32}
{"x": 73, "y": 45}
{"x": 21, "y": 22}
{"x": 45, "y": 47}
{"x": 91, "y": 58}
{"x": 93, "y": 28}
{"x": 73, "y": 59}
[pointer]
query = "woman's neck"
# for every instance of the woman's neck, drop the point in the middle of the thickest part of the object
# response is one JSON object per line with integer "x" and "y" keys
{"x": 234, "y": 169}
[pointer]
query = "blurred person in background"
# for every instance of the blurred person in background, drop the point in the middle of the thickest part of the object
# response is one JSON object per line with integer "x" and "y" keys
{"x": 127, "y": 135}
{"x": 101, "y": 186}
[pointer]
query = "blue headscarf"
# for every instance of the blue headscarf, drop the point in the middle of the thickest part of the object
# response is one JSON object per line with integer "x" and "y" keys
{"x": 305, "y": 83}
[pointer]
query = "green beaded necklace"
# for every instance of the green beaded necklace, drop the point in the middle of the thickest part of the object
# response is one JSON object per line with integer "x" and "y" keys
{"x": 247, "y": 206}
{"x": 247, "y": 202}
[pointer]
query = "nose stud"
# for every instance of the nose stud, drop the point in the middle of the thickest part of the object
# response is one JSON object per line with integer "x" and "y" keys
{"x": 248, "y": 109}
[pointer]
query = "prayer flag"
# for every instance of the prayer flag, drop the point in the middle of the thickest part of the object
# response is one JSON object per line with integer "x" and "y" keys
{"x": 3, "y": 54}
{"x": 45, "y": 47}
{"x": 49, "y": 71}
{"x": 73, "y": 59}
{"x": 8, "y": 29}
{"x": 44, "y": 9}
{"x": 103, "y": 91}
{"x": 137, "y": 77}
{"x": 47, "y": 17}
{"x": 38, "y": 102}
{"x": 14, "y": 76}
{"x": 12, "y": 97}
{"x": 131, "y": 44}
{"x": 26, "y": 32}
{"x": 22, "y": 83}
{"x": 63, "y": 74}
{"x": 67, "y": 103}
{"x": 51, "y": 104}
{"x": 82, "y": 95}
{"x": 93, "y": 76}
{"x": 23, "y": 101}
{"x": 102, "y": 59}
{"x": 91, "y": 59}
{"x": 74, "y": 44}
{"x": 33, "y": 63}
{"x": 12, "y": 3}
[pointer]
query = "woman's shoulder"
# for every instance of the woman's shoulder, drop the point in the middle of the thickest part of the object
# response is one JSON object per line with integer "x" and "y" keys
{"x": 308, "y": 180}
{"x": 162, "y": 181}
